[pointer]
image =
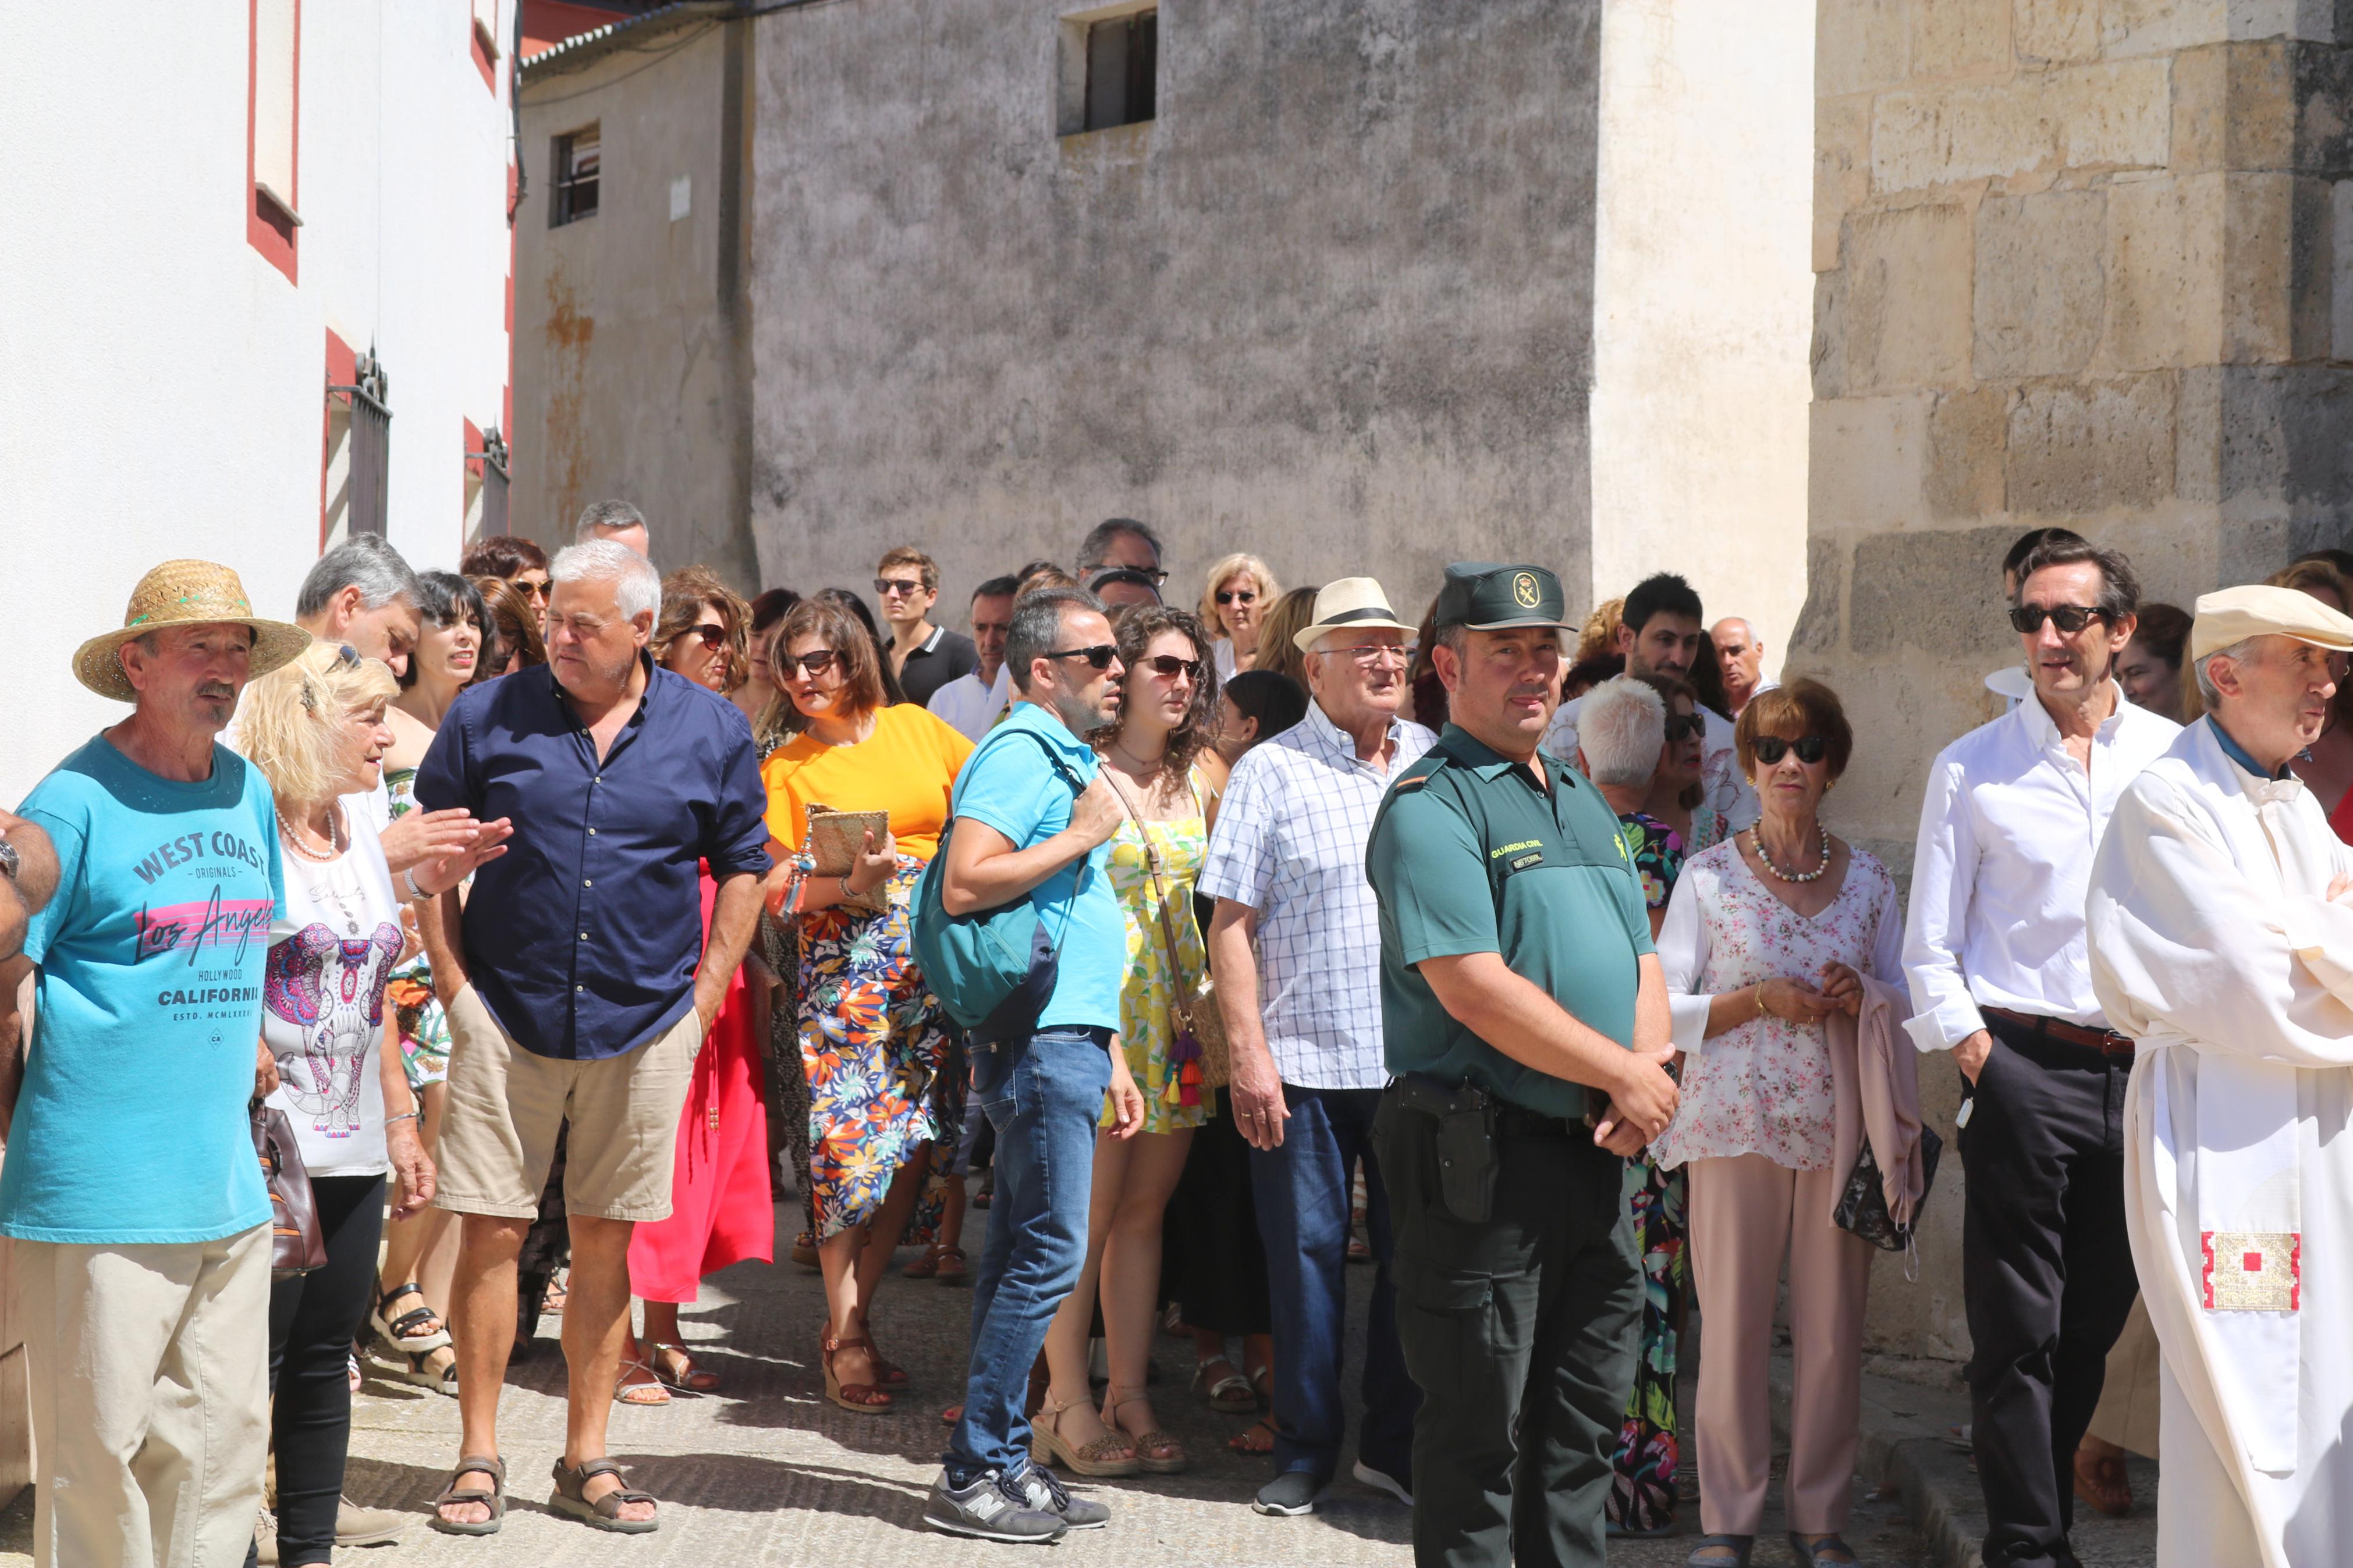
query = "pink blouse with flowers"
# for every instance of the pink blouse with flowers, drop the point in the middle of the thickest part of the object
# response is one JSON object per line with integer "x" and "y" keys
{"x": 1764, "y": 1088}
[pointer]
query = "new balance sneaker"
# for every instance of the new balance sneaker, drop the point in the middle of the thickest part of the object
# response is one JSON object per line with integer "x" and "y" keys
{"x": 1382, "y": 1481}
{"x": 1289, "y": 1494}
{"x": 1047, "y": 1495}
{"x": 991, "y": 1508}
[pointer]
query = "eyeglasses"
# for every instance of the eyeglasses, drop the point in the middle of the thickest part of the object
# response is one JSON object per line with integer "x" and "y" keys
{"x": 816, "y": 661}
{"x": 907, "y": 586}
{"x": 534, "y": 590}
{"x": 1170, "y": 665}
{"x": 2069, "y": 618}
{"x": 711, "y": 633}
{"x": 1683, "y": 726}
{"x": 1155, "y": 573}
{"x": 1099, "y": 657}
{"x": 1238, "y": 595}
{"x": 1771, "y": 749}
{"x": 1368, "y": 655}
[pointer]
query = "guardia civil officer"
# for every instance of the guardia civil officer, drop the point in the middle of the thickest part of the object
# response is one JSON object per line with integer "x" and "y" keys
{"x": 1525, "y": 1021}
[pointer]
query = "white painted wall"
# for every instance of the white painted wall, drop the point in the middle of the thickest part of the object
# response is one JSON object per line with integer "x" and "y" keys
{"x": 161, "y": 383}
{"x": 1704, "y": 303}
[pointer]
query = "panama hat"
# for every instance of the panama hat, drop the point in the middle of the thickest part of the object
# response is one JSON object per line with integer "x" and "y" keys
{"x": 184, "y": 593}
{"x": 1350, "y": 603}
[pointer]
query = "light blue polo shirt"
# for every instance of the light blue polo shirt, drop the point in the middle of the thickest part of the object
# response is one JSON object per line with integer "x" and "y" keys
{"x": 1008, "y": 783}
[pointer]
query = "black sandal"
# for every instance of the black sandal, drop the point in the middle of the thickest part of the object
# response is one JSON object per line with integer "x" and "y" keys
{"x": 495, "y": 1499}
{"x": 570, "y": 1497}
{"x": 407, "y": 1334}
{"x": 1810, "y": 1556}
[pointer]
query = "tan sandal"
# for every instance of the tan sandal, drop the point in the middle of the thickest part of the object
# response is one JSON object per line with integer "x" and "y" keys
{"x": 570, "y": 1496}
{"x": 867, "y": 1398}
{"x": 1156, "y": 1453}
{"x": 690, "y": 1380}
{"x": 495, "y": 1500}
{"x": 1108, "y": 1456}
{"x": 627, "y": 1393}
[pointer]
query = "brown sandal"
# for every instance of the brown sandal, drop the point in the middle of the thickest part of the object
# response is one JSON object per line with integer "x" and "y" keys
{"x": 1156, "y": 1453}
{"x": 1108, "y": 1456}
{"x": 867, "y": 1398}
{"x": 888, "y": 1374}
{"x": 954, "y": 1268}
{"x": 570, "y": 1496}
{"x": 495, "y": 1500}
{"x": 1246, "y": 1441}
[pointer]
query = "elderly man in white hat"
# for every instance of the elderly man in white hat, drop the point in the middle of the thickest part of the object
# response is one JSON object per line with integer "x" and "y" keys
{"x": 1295, "y": 945}
{"x": 141, "y": 1223}
{"x": 2222, "y": 940}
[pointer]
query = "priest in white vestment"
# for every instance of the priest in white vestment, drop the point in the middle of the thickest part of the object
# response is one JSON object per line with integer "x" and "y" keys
{"x": 2220, "y": 926}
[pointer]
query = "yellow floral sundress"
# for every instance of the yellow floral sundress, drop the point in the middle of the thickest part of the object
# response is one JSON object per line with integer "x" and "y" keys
{"x": 1145, "y": 1026}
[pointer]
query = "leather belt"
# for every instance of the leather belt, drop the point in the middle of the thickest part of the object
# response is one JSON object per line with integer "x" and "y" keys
{"x": 2107, "y": 1042}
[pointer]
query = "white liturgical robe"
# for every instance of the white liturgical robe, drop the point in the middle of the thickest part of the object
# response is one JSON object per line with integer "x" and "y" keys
{"x": 2214, "y": 943}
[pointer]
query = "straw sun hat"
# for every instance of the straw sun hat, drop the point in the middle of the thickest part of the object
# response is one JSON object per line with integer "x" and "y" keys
{"x": 184, "y": 593}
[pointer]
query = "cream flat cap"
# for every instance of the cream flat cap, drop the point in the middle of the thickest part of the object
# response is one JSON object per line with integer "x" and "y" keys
{"x": 2230, "y": 615}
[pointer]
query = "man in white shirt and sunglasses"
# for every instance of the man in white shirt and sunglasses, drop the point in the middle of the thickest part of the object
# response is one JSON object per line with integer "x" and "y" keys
{"x": 1999, "y": 971}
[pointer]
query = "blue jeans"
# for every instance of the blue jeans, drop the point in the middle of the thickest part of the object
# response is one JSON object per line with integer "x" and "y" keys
{"x": 1302, "y": 1189}
{"x": 1042, "y": 1095}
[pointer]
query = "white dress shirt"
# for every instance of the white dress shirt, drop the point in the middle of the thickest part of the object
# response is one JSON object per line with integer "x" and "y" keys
{"x": 2006, "y": 836}
{"x": 1719, "y": 762}
{"x": 971, "y": 709}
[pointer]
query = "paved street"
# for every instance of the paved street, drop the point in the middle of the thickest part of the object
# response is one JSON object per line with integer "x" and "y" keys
{"x": 768, "y": 1472}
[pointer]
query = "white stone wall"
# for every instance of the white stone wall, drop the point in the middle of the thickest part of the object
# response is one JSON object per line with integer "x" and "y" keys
{"x": 162, "y": 384}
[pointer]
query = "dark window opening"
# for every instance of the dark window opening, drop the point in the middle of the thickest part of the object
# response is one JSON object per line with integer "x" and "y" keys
{"x": 576, "y": 162}
{"x": 1122, "y": 64}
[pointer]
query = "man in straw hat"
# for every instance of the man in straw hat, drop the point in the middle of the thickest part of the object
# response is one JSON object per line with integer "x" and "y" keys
{"x": 1295, "y": 945}
{"x": 141, "y": 1227}
{"x": 2222, "y": 940}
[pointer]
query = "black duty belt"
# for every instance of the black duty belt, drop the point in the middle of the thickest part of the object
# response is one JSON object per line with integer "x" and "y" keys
{"x": 1429, "y": 1097}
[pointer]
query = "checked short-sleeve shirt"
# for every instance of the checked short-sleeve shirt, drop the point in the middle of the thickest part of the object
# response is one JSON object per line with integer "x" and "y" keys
{"x": 1289, "y": 843}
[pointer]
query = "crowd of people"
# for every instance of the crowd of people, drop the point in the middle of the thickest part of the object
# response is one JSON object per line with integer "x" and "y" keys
{"x": 572, "y": 913}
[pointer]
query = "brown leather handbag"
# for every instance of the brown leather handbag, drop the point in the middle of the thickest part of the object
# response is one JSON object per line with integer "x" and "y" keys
{"x": 297, "y": 1244}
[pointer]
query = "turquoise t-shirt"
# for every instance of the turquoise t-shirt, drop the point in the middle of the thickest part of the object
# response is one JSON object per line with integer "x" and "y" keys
{"x": 1008, "y": 783}
{"x": 132, "y": 1125}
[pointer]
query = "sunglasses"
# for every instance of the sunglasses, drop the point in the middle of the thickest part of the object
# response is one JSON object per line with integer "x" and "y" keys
{"x": 531, "y": 590}
{"x": 909, "y": 586}
{"x": 1238, "y": 595}
{"x": 816, "y": 661}
{"x": 1170, "y": 665}
{"x": 1099, "y": 657}
{"x": 711, "y": 633}
{"x": 1771, "y": 749}
{"x": 1683, "y": 726}
{"x": 2069, "y": 618}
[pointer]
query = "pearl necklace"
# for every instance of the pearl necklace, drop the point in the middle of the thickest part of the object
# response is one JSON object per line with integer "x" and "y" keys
{"x": 1757, "y": 842}
{"x": 294, "y": 840}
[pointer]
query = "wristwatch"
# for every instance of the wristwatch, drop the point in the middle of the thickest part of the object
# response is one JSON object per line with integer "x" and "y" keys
{"x": 8, "y": 862}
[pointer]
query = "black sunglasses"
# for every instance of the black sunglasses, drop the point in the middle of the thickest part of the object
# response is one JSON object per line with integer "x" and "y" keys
{"x": 816, "y": 661}
{"x": 1099, "y": 657}
{"x": 2069, "y": 618}
{"x": 1683, "y": 726}
{"x": 1168, "y": 664}
{"x": 1771, "y": 749}
{"x": 910, "y": 586}
{"x": 1238, "y": 595}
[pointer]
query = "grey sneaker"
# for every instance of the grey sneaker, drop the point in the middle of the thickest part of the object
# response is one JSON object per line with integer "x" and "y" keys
{"x": 1047, "y": 1495}
{"x": 357, "y": 1526}
{"x": 1289, "y": 1494}
{"x": 991, "y": 1508}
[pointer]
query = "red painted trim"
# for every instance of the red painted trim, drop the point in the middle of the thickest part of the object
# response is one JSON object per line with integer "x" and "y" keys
{"x": 342, "y": 369}
{"x": 266, "y": 230}
{"x": 476, "y": 468}
{"x": 485, "y": 51}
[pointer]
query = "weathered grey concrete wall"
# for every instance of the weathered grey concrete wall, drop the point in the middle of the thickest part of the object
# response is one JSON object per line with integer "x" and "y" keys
{"x": 2079, "y": 263}
{"x": 1333, "y": 305}
{"x": 632, "y": 362}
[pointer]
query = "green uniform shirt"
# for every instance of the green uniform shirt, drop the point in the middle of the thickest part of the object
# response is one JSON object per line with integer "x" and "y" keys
{"x": 1471, "y": 855}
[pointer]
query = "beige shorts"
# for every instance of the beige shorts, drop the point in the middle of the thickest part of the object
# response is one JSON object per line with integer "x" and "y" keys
{"x": 506, "y": 1106}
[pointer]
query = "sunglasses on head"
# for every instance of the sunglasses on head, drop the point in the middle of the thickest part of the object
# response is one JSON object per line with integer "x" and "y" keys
{"x": 816, "y": 661}
{"x": 2068, "y": 619}
{"x": 711, "y": 633}
{"x": 1771, "y": 749}
{"x": 1099, "y": 657}
{"x": 907, "y": 585}
{"x": 1238, "y": 595}
{"x": 1683, "y": 726}
{"x": 1170, "y": 665}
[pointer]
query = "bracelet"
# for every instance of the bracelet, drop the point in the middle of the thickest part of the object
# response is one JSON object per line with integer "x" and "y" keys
{"x": 417, "y": 895}
{"x": 404, "y": 1116}
{"x": 1763, "y": 1011}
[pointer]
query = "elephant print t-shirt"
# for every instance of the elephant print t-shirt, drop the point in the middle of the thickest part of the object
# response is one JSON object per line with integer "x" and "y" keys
{"x": 322, "y": 1005}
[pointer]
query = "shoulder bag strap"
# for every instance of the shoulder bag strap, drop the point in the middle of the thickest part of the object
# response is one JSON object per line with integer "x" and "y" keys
{"x": 1159, "y": 889}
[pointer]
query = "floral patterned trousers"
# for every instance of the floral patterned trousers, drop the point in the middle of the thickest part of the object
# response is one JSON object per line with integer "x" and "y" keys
{"x": 1642, "y": 1487}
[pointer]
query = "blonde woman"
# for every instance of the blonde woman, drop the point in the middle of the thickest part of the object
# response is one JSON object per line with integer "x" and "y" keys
{"x": 1240, "y": 592}
{"x": 316, "y": 730}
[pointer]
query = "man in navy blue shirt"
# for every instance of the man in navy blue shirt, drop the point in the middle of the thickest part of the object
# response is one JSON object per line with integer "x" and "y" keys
{"x": 579, "y": 986}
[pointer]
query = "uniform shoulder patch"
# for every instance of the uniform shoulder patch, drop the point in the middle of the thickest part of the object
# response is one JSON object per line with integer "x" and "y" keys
{"x": 1411, "y": 783}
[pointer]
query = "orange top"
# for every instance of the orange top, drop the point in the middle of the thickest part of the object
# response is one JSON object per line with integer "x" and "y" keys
{"x": 907, "y": 767}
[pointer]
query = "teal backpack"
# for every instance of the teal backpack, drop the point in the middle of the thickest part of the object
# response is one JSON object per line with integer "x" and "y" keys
{"x": 993, "y": 970}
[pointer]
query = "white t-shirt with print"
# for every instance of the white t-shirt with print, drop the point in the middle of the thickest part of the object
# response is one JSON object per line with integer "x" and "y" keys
{"x": 323, "y": 1003}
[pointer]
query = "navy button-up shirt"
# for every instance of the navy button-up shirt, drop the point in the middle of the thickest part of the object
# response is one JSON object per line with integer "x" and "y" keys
{"x": 584, "y": 937}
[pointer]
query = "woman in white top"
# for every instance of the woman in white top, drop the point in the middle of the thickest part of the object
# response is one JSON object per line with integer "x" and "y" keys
{"x": 1769, "y": 934}
{"x": 316, "y": 730}
{"x": 1240, "y": 592}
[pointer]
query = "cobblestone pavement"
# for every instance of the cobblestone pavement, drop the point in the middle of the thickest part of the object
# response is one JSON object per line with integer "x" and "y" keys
{"x": 768, "y": 1472}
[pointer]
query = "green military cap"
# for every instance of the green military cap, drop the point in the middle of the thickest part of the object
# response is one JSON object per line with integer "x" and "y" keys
{"x": 1489, "y": 597}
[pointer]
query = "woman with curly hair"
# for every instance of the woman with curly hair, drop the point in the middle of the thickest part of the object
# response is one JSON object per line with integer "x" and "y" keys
{"x": 883, "y": 1080}
{"x": 1158, "y": 758}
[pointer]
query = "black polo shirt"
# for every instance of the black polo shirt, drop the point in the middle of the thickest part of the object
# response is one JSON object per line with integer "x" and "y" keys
{"x": 944, "y": 657}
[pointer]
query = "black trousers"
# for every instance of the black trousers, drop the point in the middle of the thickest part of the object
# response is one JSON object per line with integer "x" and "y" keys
{"x": 2046, "y": 1274}
{"x": 313, "y": 1319}
{"x": 1520, "y": 1332}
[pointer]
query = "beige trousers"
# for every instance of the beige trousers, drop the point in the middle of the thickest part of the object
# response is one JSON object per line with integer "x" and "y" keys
{"x": 1747, "y": 1214}
{"x": 151, "y": 1399}
{"x": 2128, "y": 1401}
